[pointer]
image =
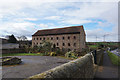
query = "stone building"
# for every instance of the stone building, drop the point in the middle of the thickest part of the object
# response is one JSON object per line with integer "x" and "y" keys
{"x": 68, "y": 38}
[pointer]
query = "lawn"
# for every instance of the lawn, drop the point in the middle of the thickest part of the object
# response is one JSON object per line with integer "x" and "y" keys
{"x": 114, "y": 58}
{"x": 93, "y": 46}
{"x": 23, "y": 54}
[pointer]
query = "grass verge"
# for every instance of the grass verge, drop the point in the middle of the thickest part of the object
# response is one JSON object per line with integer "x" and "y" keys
{"x": 23, "y": 54}
{"x": 114, "y": 58}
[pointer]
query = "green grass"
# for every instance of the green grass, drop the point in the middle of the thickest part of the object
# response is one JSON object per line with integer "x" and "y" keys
{"x": 114, "y": 58}
{"x": 93, "y": 46}
{"x": 23, "y": 54}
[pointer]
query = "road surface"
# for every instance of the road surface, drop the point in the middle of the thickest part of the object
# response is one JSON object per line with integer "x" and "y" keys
{"x": 32, "y": 65}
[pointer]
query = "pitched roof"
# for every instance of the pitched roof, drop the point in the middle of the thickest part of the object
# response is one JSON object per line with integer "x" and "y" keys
{"x": 57, "y": 31}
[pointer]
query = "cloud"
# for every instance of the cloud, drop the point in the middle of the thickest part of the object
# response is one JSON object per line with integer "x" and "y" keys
{"x": 52, "y": 18}
{"x": 76, "y": 21}
{"x": 26, "y": 17}
{"x": 99, "y": 33}
{"x": 31, "y": 19}
{"x": 43, "y": 26}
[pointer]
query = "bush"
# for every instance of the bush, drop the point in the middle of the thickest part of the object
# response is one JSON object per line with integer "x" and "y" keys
{"x": 53, "y": 54}
{"x": 71, "y": 54}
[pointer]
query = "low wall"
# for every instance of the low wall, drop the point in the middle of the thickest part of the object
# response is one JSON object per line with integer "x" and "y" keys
{"x": 79, "y": 68}
{"x": 100, "y": 56}
{"x": 5, "y": 51}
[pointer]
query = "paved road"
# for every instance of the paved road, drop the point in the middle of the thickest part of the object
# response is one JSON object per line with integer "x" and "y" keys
{"x": 31, "y": 65}
{"x": 107, "y": 70}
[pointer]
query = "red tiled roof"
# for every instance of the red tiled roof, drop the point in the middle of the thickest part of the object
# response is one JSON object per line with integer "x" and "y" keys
{"x": 65, "y": 30}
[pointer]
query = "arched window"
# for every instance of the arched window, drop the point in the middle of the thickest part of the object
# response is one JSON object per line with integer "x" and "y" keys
{"x": 68, "y": 37}
{"x": 74, "y": 37}
{"x": 74, "y": 44}
{"x": 63, "y": 38}
{"x": 51, "y": 38}
{"x": 37, "y": 38}
{"x": 57, "y": 44}
{"x": 68, "y": 44}
{"x": 44, "y": 38}
{"x": 40, "y": 38}
{"x": 57, "y": 38}
{"x": 63, "y": 44}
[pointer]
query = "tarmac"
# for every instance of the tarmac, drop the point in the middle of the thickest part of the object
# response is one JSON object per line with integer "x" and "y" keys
{"x": 31, "y": 65}
{"x": 107, "y": 71}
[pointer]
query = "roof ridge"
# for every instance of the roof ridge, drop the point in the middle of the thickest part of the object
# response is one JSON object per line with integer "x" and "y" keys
{"x": 60, "y": 28}
{"x": 64, "y": 30}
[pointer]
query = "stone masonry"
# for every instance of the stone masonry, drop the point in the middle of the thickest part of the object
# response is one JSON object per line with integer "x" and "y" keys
{"x": 68, "y": 38}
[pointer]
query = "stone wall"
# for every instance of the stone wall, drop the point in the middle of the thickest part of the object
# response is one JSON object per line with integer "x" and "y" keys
{"x": 10, "y": 46}
{"x": 79, "y": 68}
{"x": 60, "y": 41}
{"x": 5, "y": 51}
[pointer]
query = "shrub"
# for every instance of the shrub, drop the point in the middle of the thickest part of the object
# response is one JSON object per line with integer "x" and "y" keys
{"x": 53, "y": 54}
{"x": 70, "y": 54}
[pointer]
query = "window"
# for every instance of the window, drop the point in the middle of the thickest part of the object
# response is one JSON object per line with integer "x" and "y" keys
{"x": 37, "y": 38}
{"x": 63, "y": 38}
{"x": 68, "y": 44}
{"x": 74, "y": 37}
{"x": 43, "y": 38}
{"x": 40, "y": 43}
{"x": 51, "y": 38}
{"x": 37, "y": 43}
{"x": 34, "y": 38}
{"x": 75, "y": 44}
{"x": 63, "y": 44}
{"x": 40, "y": 38}
{"x": 54, "y": 46}
{"x": 57, "y": 38}
{"x": 68, "y": 37}
{"x": 57, "y": 44}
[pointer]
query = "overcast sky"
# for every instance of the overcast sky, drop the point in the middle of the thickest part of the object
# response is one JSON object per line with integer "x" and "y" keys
{"x": 22, "y": 17}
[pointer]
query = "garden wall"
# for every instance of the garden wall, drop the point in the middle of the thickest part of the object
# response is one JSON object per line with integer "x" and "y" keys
{"x": 79, "y": 68}
{"x": 5, "y": 51}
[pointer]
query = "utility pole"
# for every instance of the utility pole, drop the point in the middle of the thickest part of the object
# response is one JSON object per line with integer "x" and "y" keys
{"x": 104, "y": 38}
{"x": 96, "y": 38}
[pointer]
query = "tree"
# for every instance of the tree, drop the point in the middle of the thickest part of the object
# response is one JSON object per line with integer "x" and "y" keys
{"x": 12, "y": 39}
{"x": 46, "y": 46}
{"x": 23, "y": 38}
{"x": 28, "y": 49}
{"x": 19, "y": 38}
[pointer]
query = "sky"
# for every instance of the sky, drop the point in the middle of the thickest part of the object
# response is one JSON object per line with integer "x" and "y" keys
{"x": 22, "y": 17}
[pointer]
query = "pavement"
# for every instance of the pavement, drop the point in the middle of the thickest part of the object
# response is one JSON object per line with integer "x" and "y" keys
{"x": 32, "y": 65}
{"x": 107, "y": 70}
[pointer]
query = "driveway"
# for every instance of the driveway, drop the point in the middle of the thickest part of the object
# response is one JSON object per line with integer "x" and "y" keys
{"x": 32, "y": 65}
